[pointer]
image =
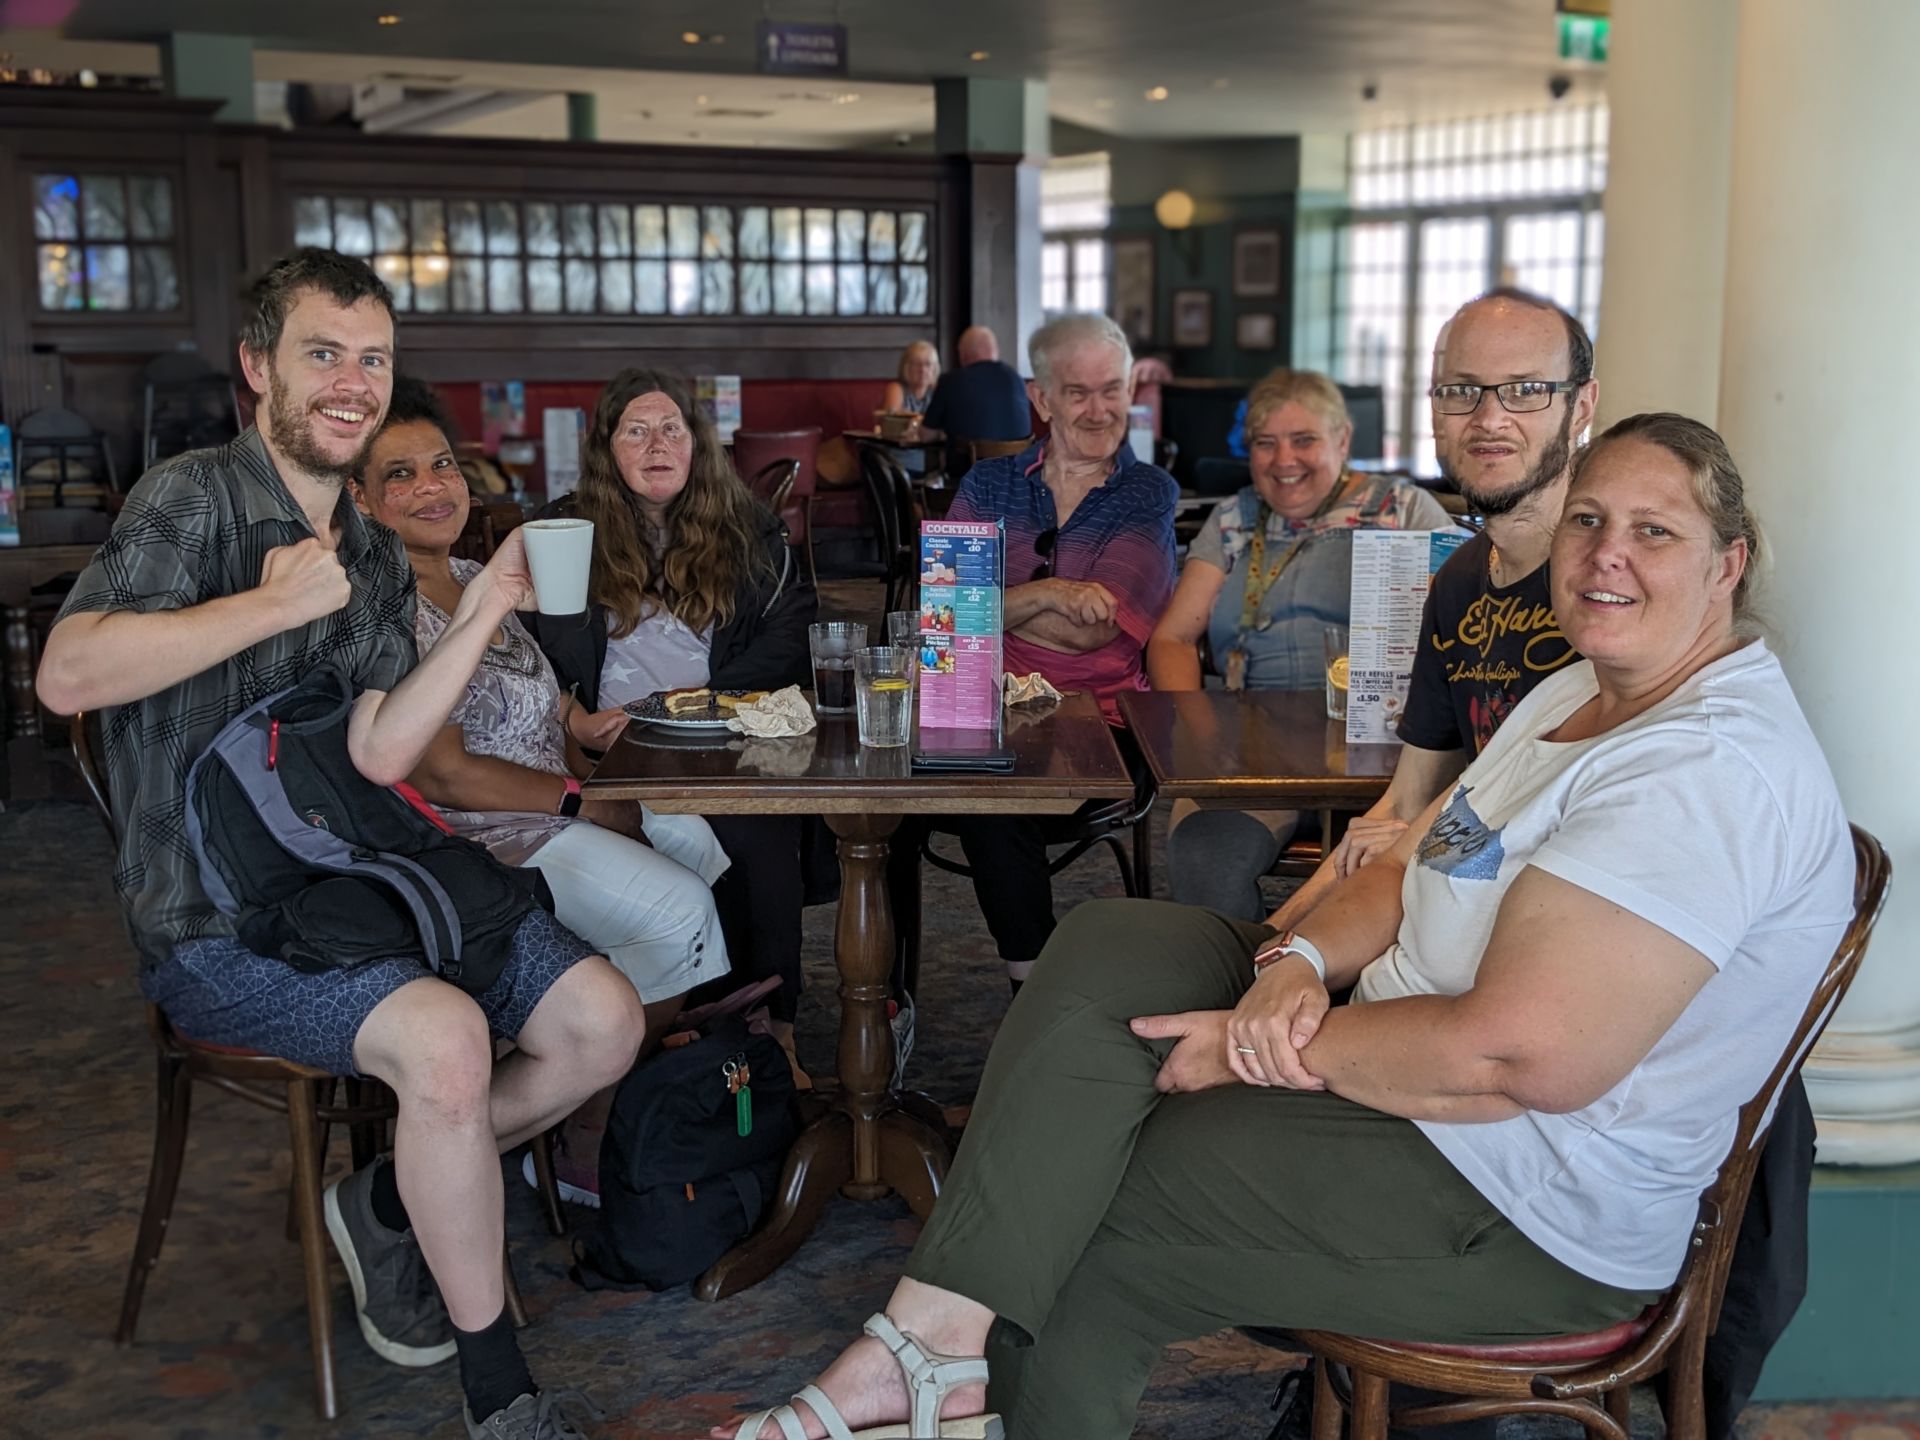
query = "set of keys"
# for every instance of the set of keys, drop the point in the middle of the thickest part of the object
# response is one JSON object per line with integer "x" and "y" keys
{"x": 739, "y": 1076}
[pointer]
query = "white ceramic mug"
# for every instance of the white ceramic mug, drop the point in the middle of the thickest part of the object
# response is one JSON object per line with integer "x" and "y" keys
{"x": 560, "y": 554}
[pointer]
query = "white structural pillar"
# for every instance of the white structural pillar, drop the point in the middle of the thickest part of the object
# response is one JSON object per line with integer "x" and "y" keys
{"x": 1670, "y": 96}
{"x": 1819, "y": 390}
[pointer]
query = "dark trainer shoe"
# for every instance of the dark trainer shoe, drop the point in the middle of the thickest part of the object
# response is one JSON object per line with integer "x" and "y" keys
{"x": 398, "y": 1305}
{"x": 533, "y": 1417}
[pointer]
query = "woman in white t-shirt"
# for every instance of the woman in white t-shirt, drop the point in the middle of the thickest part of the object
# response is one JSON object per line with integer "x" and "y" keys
{"x": 1570, "y": 973}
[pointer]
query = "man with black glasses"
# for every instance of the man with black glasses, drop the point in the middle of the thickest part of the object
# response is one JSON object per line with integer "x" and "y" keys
{"x": 1089, "y": 566}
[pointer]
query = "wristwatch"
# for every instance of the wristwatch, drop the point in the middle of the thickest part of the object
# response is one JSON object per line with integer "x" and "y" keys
{"x": 1290, "y": 943}
{"x": 570, "y": 799}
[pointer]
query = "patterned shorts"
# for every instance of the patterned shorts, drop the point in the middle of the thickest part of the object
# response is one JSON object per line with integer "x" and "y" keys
{"x": 218, "y": 991}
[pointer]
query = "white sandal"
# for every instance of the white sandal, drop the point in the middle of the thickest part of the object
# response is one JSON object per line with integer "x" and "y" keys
{"x": 929, "y": 1375}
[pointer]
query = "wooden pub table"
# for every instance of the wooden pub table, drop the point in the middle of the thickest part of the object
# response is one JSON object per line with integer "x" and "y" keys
{"x": 872, "y": 1137}
{"x": 1254, "y": 749}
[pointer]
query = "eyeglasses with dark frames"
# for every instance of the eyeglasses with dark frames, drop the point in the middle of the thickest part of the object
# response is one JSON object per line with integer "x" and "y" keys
{"x": 1043, "y": 547}
{"x": 1520, "y": 397}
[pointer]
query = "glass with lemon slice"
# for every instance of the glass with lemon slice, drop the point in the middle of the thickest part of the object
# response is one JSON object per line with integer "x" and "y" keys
{"x": 1336, "y": 655}
{"x": 883, "y": 678}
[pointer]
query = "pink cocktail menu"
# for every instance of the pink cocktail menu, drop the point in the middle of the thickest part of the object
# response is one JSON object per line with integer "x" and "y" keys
{"x": 961, "y": 574}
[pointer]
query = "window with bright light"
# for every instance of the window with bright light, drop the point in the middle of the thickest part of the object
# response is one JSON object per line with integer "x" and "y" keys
{"x": 1445, "y": 210}
{"x": 1076, "y": 205}
{"x": 105, "y": 242}
{"x": 510, "y": 257}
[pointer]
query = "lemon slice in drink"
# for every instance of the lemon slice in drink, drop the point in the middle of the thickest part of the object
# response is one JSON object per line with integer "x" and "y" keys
{"x": 889, "y": 683}
{"x": 1337, "y": 673}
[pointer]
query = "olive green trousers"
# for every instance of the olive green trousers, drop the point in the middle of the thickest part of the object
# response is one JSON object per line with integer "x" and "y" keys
{"x": 1101, "y": 1220}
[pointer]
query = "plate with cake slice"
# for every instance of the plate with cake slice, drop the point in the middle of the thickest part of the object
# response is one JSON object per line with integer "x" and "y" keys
{"x": 695, "y": 708}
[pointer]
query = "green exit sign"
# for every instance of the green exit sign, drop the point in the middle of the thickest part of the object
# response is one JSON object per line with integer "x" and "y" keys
{"x": 1584, "y": 37}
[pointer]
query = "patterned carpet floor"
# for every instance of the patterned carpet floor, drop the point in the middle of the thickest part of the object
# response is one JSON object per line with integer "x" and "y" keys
{"x": 222, "y": 1349}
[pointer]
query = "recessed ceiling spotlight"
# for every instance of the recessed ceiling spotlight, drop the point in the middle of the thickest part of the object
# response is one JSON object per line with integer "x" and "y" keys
{"x": 716, "y": 39}
{"x": 980, "y": 55}
{"x": 1221, "y": 83}
{"x": 1158, "y": 92}
{"x": 690, "y": 37}
{"x": 699, "y": 99}
{"x": 389, "y": 19}
{"x": 846, "y": 97}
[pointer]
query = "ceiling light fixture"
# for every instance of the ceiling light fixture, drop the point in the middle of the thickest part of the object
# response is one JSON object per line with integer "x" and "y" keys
{"x": 1221, "y": 83}
{"x": 690, "y": 37}
{"x": 389, "y": 19}
{"x": 699, "y": 99}
{"x": 1174, "y": 210}
{"x": 716, "y": 39}
{"x": 980, "y": 55}
{"x": 1158, "y": 92}
{"x": 846, "y": 97}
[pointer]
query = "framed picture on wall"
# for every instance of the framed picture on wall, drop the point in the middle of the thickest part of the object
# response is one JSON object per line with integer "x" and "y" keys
{"x": 1256, "y": 331}
{"x": 1192, "y": 319}
{"x": 1256, "y": 264}
{"x": 1133, "y": 287}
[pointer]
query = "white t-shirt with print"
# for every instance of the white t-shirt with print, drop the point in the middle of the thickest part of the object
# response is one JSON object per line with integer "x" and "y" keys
{"x": 1713, "y": 816}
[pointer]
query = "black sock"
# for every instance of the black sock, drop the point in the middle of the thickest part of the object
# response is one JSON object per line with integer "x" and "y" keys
{"x": 493, "y": 1372}
{"x": 388, "y": 1208}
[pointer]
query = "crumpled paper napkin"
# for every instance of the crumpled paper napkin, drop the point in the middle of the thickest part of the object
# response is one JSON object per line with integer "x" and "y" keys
{"x": 785, "y": 712}
{"x": 1028, "y": 689}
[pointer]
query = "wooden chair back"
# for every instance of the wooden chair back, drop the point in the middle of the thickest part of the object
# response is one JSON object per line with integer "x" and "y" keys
{"x": 1519, "y": 1377}
{"x": 978, "y": 450}
{"x": 88, "y": 754}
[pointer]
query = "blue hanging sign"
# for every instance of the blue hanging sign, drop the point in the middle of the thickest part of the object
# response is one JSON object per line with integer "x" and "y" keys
{"x": 802, "y": 48}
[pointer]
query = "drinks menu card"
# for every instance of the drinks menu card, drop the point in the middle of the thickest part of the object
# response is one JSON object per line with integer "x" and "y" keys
{"x": 1391, "y": 572}
{"x": 961, "y": 575}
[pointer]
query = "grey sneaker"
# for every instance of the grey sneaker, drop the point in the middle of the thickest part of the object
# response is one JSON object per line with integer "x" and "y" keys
{"x": 533, "y": 1417}
{"x": 398, "y": 1305}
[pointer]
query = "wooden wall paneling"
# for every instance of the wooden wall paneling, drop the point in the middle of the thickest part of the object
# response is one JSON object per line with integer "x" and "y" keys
{"x": 18, "y": 289}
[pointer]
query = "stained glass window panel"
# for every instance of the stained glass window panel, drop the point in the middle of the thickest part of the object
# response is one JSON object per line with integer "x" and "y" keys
{"x": 156, "y": 284}
{"x": 463, "y": 221}
{"x": 389, "y": 226}
{"x": 882, "y": 236}
{"x": 543, "y": 230}
{"x": 913, "y": 235}
{"x": 819, "y": 289}
{"x": 151, "y": 213}
{"x": 756, "y": 236}
{"x": 683, "y": 287}
{"x": 716, "y": 234}
{"x": 683, "y": 232}
{"x": 577, "y": 230}
{"x": 352, "y": 228}
{"x": 582, "y": 282}
{"x": 716, "y": 287}
{"x": 430, "y": 276}
{"x": 394, "y": 269}
{"x": 649, "y": 231}
{"x": 56, "y": 210}
{"x": 913, "y": 289}
{"x": 616, "y": 233}
{"x": 60, "y": 285}
{"x": 312, "y": 221}
{"x": 819, "y": 225}
{"x": 543, "y": 286}
{"x": 852, "y": 289}
{"x": 503, "y": 232}
{"x": 786, "y": 233}
{"x": 469, "y": 286}
{"x": 756, "y": 288}
{"x": 616, "y": 286}
{"x": 850, "y": 234}
{"x": 503, "y": 286}
{"x": 103, "y": 209}
{"x": 109, "y": 278}
{"x": 787, "y": 298}
{"x": 429, "y": 229}
{"x": 650, "y": 287}
{"x": 883, "y": 290}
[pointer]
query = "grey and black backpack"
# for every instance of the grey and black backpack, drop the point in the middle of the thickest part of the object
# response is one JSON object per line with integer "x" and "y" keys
{"x": 322, "y": 868}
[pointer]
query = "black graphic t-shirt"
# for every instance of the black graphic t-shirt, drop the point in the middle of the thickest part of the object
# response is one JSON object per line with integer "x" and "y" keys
{"x": 1482, "y": 648}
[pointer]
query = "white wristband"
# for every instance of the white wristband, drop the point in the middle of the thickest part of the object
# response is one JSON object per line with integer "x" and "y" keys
{"x": 1293, "y": 945}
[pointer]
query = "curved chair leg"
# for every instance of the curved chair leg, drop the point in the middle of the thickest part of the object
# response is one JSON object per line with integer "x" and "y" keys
{"x": 369, "y": 1137}
{"x": 1369, "y": 1407}
{"x": 304, "y": 1131}
{"x": 542, "y": 1148}
{"x": 516, "y": 1307}
{"x": 1143, "y": 857}
{"x": 1326, "y": 1404}
{"x": 322, "y": 1092}
{"x": 175, "y": 1099}
{"x": 1124, "y": 861}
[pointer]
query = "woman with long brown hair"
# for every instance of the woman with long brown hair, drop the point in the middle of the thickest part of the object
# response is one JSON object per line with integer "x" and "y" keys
{"x": 693, "y": 584}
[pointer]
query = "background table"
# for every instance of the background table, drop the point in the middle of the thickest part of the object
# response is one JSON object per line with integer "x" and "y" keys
{"x": 1254, "y": 749}
{"x": 873, "y": 1138}
{"x": 21, "y": 568}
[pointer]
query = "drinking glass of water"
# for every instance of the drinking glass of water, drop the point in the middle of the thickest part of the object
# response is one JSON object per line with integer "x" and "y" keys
{"x": 883, "y": 692}
{"x": 833, "y": 643}
{"x": 1336, "y": 656}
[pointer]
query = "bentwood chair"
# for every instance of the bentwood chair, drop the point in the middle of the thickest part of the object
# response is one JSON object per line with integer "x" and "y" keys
{"x": 304, "y": 1094}
{"x": 1589, "y": 1378}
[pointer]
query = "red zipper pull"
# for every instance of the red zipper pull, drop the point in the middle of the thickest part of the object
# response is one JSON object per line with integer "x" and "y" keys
{"x": 273, "y": 744}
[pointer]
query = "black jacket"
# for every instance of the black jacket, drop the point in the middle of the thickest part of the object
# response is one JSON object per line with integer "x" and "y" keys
{"x": 763, "y": 647}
